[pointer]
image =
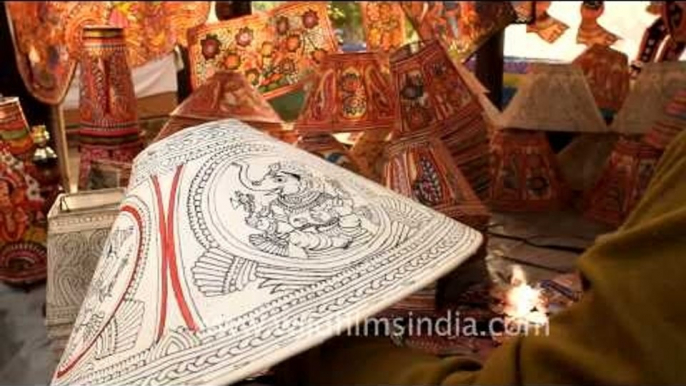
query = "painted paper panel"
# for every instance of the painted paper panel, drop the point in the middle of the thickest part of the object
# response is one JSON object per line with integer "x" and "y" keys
{"x": 384, "y": 25}
{"x": 275, "y": 50}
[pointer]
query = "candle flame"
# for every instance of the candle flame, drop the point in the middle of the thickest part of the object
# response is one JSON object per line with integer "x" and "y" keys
{"x": 524, "y": 303}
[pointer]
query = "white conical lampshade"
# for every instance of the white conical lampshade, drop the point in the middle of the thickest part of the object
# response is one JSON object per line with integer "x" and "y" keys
{"x": 648, "y": 98}
{"x": 554, "y": 97}
{"x": 234, "y": 251}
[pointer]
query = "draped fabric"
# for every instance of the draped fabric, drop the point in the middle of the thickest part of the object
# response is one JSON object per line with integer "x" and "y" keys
{"x": 47, "y": 35}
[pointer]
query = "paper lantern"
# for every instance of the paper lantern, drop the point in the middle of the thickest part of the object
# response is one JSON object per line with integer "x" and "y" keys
{"x": 623, "y": 182}
{"x": 654, "y": 88}
{"x": 419, "y": 166}
{"x": 78, "y": 227}
{"x": 224, "y": 95}
{"x": 525, "y": 173}
{"x": 554, "y": 97}
{"x": 240, "y": 251}
{"x": 107, "y": 103}
{"x": 436, "y": 96}
{"x": 673, "y": 121}
{"x": 607, "y": 74}
{"x": 22, "y": 225}
{"x": 14, "y": 130}
{"x": 350, "y": 92}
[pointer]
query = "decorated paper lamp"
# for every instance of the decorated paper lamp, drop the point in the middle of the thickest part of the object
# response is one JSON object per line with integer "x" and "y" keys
{"x": 107, "y": 103}
{"x": 79, "y": 225}
{"x": 435, "y": 96}
{"x": 654, "y": 88}
{"x": 623, "y": 181}
{"x": 351, "y": 92}
{"x": 590, "y": 32}
{"x": 672, "y": 123}
{"x": 552, "y": 97}
{"x": 632, "y": 163}
{"x": 224, "y": 95}
{"x": 14, "y": 130}
{"x": 607, "y": 74}
{"x": 419, "y": 166}
{"x": 240, "y": 251}
{"x": 22, "y": 223}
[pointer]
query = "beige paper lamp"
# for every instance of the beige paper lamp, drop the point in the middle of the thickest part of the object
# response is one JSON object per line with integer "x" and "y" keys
{"x": 649, "y": 96}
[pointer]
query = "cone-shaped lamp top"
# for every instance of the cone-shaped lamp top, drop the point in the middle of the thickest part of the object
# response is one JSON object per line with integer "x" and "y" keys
{"x": 234, "y": 251}
{"x": 649, "y": 96}
{"x": 351, "y": 91}
{"x": 554, "y": 97}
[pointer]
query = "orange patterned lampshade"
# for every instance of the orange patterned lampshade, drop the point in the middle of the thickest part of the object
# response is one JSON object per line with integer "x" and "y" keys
{"x": 224, "y": 95}
{"x": 623, "y": 181}
{"x": 607, "y": 74}
{"x": 438, "y": 96}
{"x": 554, "y": 97}
{"x": 526, "y": 176}
{"x": 14, "y": 130}
{"x": 350, "y": 92}
{"x": 107, "y": 102}
{"x": 419, "y": 166}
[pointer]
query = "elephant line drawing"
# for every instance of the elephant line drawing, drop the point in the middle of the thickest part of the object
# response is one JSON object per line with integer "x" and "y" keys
{"x": 298, "y": 214}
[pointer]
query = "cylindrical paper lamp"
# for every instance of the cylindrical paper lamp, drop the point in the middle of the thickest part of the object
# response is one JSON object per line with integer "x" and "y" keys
{"x": 107, "y": 103}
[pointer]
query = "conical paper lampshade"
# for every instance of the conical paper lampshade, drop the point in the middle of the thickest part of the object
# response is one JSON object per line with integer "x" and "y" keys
{"x": 436, "y": 96}
{"x": 607, "y": 74}
{"x": 350, "y": 92}
{"x": 649, "y": 96}
{"x": 224, "y": 95}
{"x": 419, "y": 166}
{"x": 107, "y": 103}
{"x": 623, "y": 181}
{"x": 673, "y": 122}
{"x": 526, "y": 176}
{"x": 554, "y": 97}
{"x": 239, "y": 251}
{"x": 14, "y": 130}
